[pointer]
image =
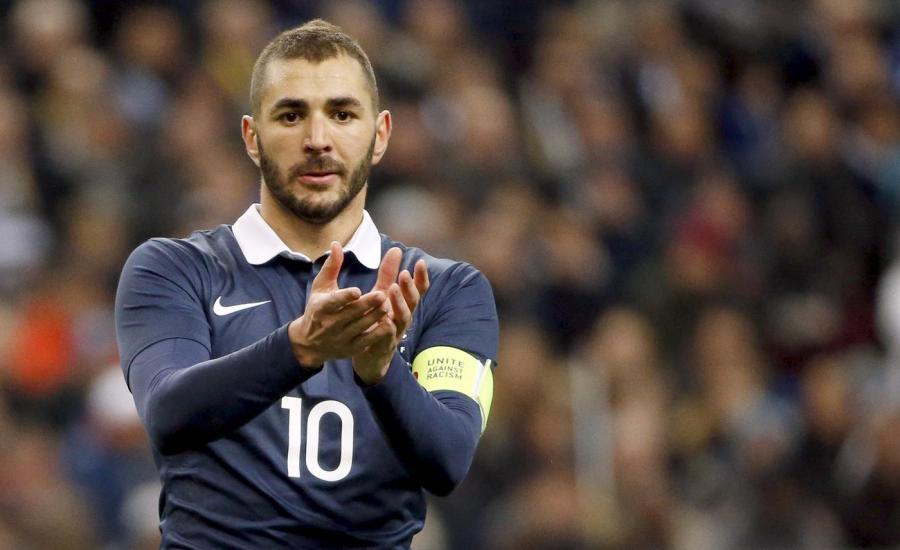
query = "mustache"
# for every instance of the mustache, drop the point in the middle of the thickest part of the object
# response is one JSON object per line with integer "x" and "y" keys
{"x": 317, "y": 164}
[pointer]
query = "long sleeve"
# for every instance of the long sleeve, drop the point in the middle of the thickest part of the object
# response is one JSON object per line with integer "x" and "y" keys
{"x": 434, "y": 434}
{"x": 186, "y": 399}
{"x": 434, "y": 426}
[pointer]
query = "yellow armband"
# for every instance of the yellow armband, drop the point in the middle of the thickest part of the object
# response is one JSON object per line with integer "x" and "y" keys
{"x": 446, "y": 368}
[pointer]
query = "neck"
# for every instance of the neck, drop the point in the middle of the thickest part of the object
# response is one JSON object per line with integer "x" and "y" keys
{"x": 309, "y": 239}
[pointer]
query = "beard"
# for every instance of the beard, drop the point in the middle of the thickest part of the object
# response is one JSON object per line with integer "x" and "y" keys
{"x": 309, "y": 209}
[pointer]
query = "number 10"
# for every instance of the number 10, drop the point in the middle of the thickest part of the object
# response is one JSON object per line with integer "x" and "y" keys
{"x": 295, "y": 438}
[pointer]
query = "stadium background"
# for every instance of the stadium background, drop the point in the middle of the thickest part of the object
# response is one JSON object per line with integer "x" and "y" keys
{"x": 686, "y": 209}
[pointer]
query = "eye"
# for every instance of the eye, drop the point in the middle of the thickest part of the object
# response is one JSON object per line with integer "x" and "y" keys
{"x": 343, "y": 116}
{"x": 290, "y": 117}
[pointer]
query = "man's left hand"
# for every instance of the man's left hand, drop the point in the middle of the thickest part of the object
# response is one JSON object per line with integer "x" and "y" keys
{"x": 404, "y": 293}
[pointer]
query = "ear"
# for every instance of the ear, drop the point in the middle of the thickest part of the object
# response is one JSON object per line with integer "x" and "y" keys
{"x": 383, "y": 128}
{"x": 251, "y": 138}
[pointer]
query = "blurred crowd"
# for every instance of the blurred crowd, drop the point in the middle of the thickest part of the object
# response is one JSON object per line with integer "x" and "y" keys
{"x": 686, "y": 209}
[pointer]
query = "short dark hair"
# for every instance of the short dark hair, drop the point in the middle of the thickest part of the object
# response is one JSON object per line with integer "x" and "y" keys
{"x": 314, "y": 41}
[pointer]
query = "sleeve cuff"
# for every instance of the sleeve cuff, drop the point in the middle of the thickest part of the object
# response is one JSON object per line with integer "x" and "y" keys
{"x": 285, "y": 359}
{"x": 396, "y": 377}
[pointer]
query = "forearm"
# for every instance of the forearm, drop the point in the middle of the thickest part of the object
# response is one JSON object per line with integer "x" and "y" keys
{"x": 186, "y": 399}
{"x": 435, "y": 435}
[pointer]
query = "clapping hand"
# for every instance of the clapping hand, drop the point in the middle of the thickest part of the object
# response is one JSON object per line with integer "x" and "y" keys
{"x": 343, "y": 322}
{"x": 404, "y": 290}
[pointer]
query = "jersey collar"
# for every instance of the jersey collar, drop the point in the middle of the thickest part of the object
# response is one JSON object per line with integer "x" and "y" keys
{"x": 260, "y": 243}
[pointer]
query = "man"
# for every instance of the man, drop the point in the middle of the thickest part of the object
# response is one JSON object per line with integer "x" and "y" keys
{"x": 300, "y": 386}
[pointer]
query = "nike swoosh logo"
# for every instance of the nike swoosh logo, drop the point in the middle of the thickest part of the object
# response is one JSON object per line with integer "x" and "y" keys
{"x": 221, "y": 310}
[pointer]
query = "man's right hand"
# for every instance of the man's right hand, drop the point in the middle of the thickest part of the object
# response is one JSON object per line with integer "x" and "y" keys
{"x": 334, "y": 317}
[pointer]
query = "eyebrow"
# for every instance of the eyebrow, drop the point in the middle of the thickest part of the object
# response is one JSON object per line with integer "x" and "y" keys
{"x": 302, "y": 105}
{"x": 290, "y": 103}
{"x": 343, "y": 102}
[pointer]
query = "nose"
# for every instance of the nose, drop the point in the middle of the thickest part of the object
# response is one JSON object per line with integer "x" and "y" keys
{"x": 317, "y": 139}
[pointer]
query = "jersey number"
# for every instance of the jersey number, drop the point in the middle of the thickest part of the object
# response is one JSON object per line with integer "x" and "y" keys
{"x": 295, "y": 438}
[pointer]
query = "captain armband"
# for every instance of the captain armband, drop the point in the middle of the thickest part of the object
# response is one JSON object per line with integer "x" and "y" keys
{"x": 447, "y": 368}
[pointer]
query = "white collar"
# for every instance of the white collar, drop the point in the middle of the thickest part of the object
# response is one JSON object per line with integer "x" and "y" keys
{"x": 260, "y": 243}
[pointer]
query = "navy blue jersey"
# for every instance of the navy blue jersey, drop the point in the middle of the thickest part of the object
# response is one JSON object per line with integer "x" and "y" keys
{"x": 255, "y": 451}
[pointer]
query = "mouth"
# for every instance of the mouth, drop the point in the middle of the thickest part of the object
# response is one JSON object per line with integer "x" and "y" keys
{"x": 318, "y": 179}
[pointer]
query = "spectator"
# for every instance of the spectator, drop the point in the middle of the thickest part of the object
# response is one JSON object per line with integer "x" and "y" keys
{"x": 687, "y": 214}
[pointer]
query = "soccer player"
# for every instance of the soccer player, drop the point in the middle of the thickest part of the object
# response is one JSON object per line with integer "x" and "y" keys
{"x": 299, "y": 385}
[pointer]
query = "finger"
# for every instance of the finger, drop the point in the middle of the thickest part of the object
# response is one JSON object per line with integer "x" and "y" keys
{"x": 401, "y": 311}
{"x": 337, "y": 300}
{"x": 360, "y": 306}
{"x": 364, "y": 322}
{"x": 380, "y": 333}
{"x": 327, "y": 277}
{"x": 390, "y": 266}
{"x": 410, "y": 292}
{"x": 421, "y": 277}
